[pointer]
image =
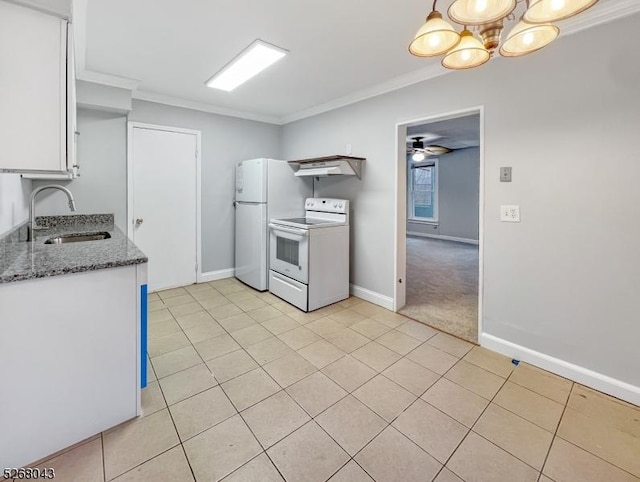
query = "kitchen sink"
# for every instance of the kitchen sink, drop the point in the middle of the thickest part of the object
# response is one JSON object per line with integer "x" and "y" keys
{"x": 76, "y": 238}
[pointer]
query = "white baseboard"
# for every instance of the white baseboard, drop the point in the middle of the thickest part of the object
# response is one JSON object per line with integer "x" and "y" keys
{"x": 371, "y": 297}
{"x": 216, "y": 275}
{"x": 595, "y": 380}
{"x": 445, "y": 238}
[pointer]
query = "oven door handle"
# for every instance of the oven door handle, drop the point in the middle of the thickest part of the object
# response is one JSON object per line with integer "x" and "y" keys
{"x": 299, "y": 232}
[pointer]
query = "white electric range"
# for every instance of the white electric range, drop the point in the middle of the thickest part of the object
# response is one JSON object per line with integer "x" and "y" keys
{"x": 309, "y": 257}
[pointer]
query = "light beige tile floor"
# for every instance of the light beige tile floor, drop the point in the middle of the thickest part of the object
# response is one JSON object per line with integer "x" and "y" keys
{"x": 243, "y": 387}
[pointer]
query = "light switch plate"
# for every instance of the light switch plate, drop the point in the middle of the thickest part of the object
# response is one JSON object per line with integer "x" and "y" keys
{"x": 505, "y": 174}
{"x": 510, "y": 214}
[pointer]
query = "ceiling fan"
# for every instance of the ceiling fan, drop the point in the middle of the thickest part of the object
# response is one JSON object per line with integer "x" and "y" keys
{"x": 421, "y": 152}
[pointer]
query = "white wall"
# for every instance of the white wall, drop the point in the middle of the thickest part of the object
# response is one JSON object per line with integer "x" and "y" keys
{"x": 102, "y": 156}
{"x": 566, "y": 119}
{"x": 14, "y": 201}
{"x": 458, "y": 196}
{"x": 225, "y": 140}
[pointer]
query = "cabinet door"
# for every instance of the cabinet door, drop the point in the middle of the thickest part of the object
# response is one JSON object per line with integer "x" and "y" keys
{"x": 72, "y": 118}
{"x": 33, "y": 121}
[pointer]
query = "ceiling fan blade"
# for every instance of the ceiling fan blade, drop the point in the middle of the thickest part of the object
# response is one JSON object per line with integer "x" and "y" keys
{"x": 437, "y": 150}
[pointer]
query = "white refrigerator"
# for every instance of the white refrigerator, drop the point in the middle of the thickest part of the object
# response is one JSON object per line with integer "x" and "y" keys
{"x": 265, "y": 189}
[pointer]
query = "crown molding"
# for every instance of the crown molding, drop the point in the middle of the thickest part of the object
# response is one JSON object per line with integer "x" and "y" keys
{"x": 599, "y": 14}
{"x": 202, "y": 107}
{"x": 44, "y": 7}
{"x": 399, "y": 82}
{"x": 108, "y": 80}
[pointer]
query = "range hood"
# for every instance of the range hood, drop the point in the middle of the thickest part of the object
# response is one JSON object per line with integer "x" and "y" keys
{"x": 328, "y": 166}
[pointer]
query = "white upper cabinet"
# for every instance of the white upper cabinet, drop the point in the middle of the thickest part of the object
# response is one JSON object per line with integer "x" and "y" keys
{"x": 37, "y": 104}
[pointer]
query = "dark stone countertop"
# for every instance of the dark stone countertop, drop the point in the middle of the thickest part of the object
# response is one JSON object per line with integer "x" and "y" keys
{"x": 23, "y": 260}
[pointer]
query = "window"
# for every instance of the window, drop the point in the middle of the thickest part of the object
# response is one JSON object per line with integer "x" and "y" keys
{"x": 423, "y": 193}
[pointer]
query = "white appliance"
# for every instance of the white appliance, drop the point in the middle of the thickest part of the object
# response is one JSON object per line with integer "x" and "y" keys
{"x": 309, "y": 256}
{"x": 265, "y": 188}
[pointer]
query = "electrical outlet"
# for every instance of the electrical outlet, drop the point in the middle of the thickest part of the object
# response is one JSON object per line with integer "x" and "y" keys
{"x": 348, "y": 149}
{"x": 510, "y": 214}
{"x": 505, "y": 174}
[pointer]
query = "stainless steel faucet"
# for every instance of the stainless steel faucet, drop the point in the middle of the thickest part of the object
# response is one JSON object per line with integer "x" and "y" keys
{"x": 32, "y": 227}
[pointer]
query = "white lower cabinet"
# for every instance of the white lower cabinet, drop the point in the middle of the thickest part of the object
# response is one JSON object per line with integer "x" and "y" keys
{"x": 70, "y": 359}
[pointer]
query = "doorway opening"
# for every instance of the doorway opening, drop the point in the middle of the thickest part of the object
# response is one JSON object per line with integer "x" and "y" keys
{"x": 439, "y": 222}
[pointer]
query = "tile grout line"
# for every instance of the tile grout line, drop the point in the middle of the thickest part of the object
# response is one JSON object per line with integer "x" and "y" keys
{"x": 312, "y": 418}
{"x": 517, "y": 415}
{"x": 142, "y": 463}
{"x": 377, "y": 373}
{"x": 381, "y": 373}
{"x": 436, "y": 408}
{"x": 317, "y": 369}
{"x": 555, "y": 433}
{"x": 174, "y": 427}
{"x": 470, "y": 429}
{"x": 389, "y": 424}
{"x": 181, "y": 442}
{"x": 520, "y": 416}
{"x": 573, "y": 386}
{"x": 104, "y": 469}
{"x": 422, "y": 342}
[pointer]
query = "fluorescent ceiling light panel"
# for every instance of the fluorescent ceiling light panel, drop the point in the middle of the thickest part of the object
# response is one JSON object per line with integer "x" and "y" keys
{"x": 250, "y": 62}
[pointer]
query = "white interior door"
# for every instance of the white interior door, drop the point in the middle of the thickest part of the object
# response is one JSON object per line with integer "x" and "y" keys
{"x": 163, "y": 203}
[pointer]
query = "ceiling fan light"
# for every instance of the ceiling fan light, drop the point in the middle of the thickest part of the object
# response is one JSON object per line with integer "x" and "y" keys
{"x": 434, "y": 38}
{"x": 545, "y": 11}
{"x": 467, "y": 54}
{"x": 477, "y": 12}
{"x": 418, "y": 156}
{"x": 526, "y": 38}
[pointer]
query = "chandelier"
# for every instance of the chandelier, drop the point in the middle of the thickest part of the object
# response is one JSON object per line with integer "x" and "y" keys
{"x": 464, "y": 50}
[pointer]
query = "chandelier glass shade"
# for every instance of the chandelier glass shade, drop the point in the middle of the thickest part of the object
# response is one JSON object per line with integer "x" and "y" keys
{"x": 434, "y": 38}
{"x": 478, "y": 12}
{"x": 525, "y": 38}
{"x": 487, "y": 18}
{"x": 543, "y": 11}
{"x": 467, "y": 54}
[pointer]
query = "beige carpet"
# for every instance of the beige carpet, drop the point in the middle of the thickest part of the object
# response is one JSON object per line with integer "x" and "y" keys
{"x": 442, "y": 285}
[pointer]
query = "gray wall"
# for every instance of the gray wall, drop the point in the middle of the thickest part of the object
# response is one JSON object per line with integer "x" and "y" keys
{"x": 102, "y": 152}
{"x": 14, "y": 201}
{"x": 458, "y": 196}
{"x": 225, "y": 140}
{"x": 102, "y": 156}
{"x": 566, "y": 119}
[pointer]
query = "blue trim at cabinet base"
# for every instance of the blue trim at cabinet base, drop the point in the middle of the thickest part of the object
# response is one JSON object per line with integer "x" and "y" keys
{"x": 143, "y": 336}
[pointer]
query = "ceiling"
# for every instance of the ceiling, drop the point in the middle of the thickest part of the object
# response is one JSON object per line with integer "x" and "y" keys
{"x": 456, "y": 133}
{"x": 338, "y": 48}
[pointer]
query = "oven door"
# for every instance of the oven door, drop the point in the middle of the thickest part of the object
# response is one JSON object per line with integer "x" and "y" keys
{"x": 289, "y": 252}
